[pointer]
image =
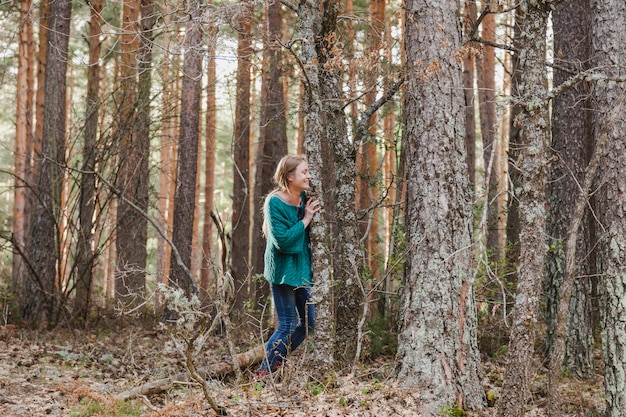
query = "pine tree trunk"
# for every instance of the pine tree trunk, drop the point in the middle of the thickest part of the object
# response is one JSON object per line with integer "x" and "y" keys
{"x": 43, "y": 294}
{"x": 488, "y": 127}
{"x": 437, "y": 345}
{"x": 533, "y": 121}
{"x": 206, "y": 270}
{"x": 570, "y": 114}
{"x": 608, "y": 53}
{"x": 309, "y": 24}
{"x": 469, "y": 73}
{"x": 272, "y": 139}
{"x": 131, "y": 230}
{"x": 187, "y": 165}
{"x": 240, "y": 243}
{"x": 24, "y": 123}
{"x": 86, "y": 258}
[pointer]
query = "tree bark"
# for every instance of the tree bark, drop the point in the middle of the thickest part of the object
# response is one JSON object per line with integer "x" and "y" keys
{"x": 187, "y": 165}
{"x": 437, "y": 345}
{"x": 272, "y": 143}
{"x": 532, "y": 164}
{"x": 24, "y": 124}
{"x": 570, "y": 114}
{"x": 85, "y": 259}
{"x": 208, "y": 254}
{"x": 309, "y": 24}
{"x": 240, "y": 243}
{"x": 131, "y": 228}
{"x": 608, "y": 53}
{"x": 44, "y": 295}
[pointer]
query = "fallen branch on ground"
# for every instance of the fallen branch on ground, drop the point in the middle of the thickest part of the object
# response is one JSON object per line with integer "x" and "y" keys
{"x": 245, "y": 359}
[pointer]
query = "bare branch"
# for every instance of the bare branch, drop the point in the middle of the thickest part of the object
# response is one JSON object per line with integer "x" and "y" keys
{"x": 363, "y": 125}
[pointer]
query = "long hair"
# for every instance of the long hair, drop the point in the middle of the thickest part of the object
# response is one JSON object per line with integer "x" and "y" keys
{"x": 286, "y": 166}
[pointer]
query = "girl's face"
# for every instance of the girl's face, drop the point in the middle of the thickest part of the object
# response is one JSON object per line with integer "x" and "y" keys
{"x": 299, "y": 178}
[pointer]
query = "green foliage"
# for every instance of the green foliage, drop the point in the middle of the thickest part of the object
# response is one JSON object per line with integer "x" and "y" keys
{"x": 315, "y": 388}
{"x": 453, "y": 412}
{"x": 383, "y": 341}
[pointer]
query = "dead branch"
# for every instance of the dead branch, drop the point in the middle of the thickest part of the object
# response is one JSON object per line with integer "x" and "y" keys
{"x": 245, "y": 359}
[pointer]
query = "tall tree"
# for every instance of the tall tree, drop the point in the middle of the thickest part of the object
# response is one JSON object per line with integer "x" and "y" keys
{"x": 209, "y": 165}
{"x": 272, "y": 144}
{"x": 85, "y": 259}
{"x": 348, "y": 255}
{"x": 43, "y": 292}
{"x": 570, "y": 114}
{"x": 533, "y": 122}
{"x": 486, "y": 82}
{"x": 437, "y": 344}
{"x": 24, "y": 124}
{"x": 131, "y": 182}
{"x": 309, "y": 25}
{"x": 608, "y": 53}
{"x": 469, "y": 74}
{"x": 187, "y": 166}
{"x": 367, "y": 156}
{"x": 240, "y": 243}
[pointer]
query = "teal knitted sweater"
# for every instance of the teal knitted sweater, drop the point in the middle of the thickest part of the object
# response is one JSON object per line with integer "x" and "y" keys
{"x": 287, "y": 254}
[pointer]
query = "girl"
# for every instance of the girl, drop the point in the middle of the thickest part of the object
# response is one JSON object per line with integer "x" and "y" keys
{"x": 287, "y": 215}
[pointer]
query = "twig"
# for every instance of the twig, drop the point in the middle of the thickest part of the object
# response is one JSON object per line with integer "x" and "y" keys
{"x": 571, "y": 265}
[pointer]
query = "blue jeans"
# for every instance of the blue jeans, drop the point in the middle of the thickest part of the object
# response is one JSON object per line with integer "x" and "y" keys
{"x": 296, "y": 319}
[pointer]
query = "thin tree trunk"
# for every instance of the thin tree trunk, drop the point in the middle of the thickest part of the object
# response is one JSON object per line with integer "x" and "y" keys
{"x": 167, "y": 155}
{"x": 272, "y": 143}
{"x": 86, "y": 258}
{"x": 187, "y": 165}
{"x": 131, "y": 231}
{"x": 43, "y": 302}
{"x": 24, "y": 122}
{"x": 367, "y": 158}
{"x": 469, "y": 70}
{"x": 533, "y": 170}
{"x": 485, "y": 69}
{"x": 240, "y": 242}
{"x": 209, "y": 166}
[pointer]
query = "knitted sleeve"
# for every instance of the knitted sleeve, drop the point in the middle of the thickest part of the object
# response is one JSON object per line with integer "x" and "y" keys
{"x": 286, "y": 232}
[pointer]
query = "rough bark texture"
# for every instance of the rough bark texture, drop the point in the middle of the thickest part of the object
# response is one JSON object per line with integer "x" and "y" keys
{"x": 608, "y": 53}
{"x": 571, "y": 142}
{"x": 131, "y": 230}
{"x": 240, "y": 244}
{"x": 85, "y": 259}
{"x": 272, "y": 138}
{"x": 348, "y": 255}
{"x": 533, "y": 169}
{"x": 185, "y": 195}
{"x": 309, "y": 23}
{"x": 43, "y": 292}
{"x": 437, "y": 347}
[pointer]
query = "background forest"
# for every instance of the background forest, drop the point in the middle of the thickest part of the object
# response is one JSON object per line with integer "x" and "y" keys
{"x": 469, "y": 240}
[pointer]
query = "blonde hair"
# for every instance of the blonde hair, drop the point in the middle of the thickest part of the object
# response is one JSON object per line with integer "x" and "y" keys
{"x": 286, "y": 166}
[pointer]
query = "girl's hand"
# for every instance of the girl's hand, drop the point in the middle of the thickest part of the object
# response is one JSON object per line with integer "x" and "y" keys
{"x": 312, "y": 206}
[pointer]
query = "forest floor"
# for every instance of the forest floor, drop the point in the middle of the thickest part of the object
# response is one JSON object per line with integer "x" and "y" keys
{"x": 78, "y": 373}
